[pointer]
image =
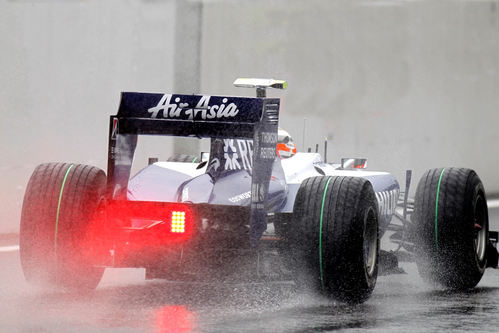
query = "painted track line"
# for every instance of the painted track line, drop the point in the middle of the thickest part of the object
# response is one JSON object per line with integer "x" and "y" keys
{"x": 11, "y": 248}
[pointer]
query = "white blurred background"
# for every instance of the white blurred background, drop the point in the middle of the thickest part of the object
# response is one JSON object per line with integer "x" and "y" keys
{"x": 408, "y": 84}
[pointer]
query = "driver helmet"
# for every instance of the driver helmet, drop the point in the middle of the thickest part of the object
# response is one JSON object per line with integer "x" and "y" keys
{"x": 285, "y": 145}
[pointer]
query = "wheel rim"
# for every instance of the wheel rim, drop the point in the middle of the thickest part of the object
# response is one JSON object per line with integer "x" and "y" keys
{"x": 480, "y": 228}
{"x": 370, "y": 241}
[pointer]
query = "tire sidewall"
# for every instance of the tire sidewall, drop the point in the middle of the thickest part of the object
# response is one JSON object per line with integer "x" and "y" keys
{"x": 478, "y": 194}
{"x": 371, "y": 278}
{"x": 367, "y": 205}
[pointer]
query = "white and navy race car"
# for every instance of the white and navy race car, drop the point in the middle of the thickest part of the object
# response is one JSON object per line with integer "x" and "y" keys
{"x": 252, "y": 196}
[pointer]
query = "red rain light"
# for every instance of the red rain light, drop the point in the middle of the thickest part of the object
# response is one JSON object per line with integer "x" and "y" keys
{"x": 121, "y": 228}
{"x": 178, "y": 222}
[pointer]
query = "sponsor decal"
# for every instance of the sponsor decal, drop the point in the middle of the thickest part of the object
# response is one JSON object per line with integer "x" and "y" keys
{"x": 268, "y": 137}
{"x": 267, "y": 153}
{"x": 231, "y": 155}
{"x": 246, "y": 151}
{"x": 202, "y": 111}
{"x": 238, "y": 154}
{"x": 240, "y": 197}
{"x": 269, "y": 140}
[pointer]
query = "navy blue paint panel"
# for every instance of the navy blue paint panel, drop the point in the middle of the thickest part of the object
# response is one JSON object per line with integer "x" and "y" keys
{"x": 264, "y": 154}
{"x": 191, "y": 107}
{"x": 200, "y": 129}
{"x": 121, "y": 150}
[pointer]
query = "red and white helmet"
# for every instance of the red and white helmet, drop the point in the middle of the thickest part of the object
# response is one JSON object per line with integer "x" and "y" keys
{"x": 285, "y": 145}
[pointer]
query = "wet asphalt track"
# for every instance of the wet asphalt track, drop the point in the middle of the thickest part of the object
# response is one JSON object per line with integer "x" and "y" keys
{"x": 124, "y": 302}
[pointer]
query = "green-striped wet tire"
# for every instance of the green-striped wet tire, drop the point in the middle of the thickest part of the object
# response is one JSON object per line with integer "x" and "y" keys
{"x": 334, "y": 237}
{"x": 59, "y": 202}
{"x": 451, "y": 228}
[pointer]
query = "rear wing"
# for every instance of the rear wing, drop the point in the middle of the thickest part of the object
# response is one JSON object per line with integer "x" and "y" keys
{"x": 201, "y": 116}
{"x": 194, "y": 115}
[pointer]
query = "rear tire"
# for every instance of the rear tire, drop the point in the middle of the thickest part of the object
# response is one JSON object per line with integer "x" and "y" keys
{"x": 334, "y": 237}
{"x": 59, "y": 203}
{"x": 451, "y": 228}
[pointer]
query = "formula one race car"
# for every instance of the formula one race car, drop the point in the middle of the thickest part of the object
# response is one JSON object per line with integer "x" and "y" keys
{"x": 241, "y": 204}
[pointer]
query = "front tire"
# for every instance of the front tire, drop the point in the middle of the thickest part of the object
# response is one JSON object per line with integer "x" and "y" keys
{"x": 59, "y": 203}
{"x": 451, "y": 228}
{"x": 334, "y": 237}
